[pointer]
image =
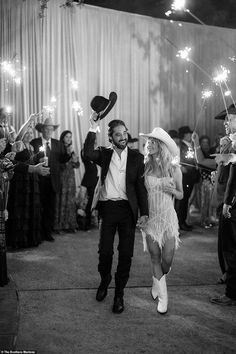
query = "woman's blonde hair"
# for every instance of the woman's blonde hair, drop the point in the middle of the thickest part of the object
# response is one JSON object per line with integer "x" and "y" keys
{"x": 162, "y": 159}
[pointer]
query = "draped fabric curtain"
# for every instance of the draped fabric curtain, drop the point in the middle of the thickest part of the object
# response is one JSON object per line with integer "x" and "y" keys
{"x": 106, "y": 50}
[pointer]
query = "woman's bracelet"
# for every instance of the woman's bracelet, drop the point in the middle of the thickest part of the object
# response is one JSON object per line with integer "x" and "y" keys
{"x": 197, "y": 147}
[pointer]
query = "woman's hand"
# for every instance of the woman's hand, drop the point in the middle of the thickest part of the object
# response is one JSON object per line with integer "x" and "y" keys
{"x": 169, "y": 188}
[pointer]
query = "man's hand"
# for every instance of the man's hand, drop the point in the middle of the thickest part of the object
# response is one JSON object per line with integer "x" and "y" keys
{"x": 94, "y": 123}
{"x": 226, "y": 211}
{"x": 142, "y": 221}
{"x": 41, "y": 169}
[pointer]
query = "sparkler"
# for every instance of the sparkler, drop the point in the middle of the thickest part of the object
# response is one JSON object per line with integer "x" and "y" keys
{"x": 74, "y": 84}
{"x": 206, "y": 94}
{"x": 12, "y": 70}
{"x": 222, "y": 75}
{"x": 189, "y": 154}
{"x": 78, "y": 108}
{"x": 184, "y": 53}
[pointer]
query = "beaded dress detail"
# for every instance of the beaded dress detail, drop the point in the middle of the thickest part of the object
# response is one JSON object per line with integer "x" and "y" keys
{"x": 163, "y": 222}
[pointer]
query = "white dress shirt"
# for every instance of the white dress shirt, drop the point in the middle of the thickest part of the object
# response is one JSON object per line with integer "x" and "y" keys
{"x": 45, "y": 144}
{"x": 114, "y": 187}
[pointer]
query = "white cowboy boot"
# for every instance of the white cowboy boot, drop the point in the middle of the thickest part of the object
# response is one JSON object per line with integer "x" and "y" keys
{"x": 155, "y": 288}
{"x": 162, "y": 295}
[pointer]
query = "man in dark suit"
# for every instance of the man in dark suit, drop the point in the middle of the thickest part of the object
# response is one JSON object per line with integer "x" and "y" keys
{"x": 53, "y": 153}
{"x": 226, "y": 193}
{"x": 190, "y": 175}
{"x": 121, "y": 194}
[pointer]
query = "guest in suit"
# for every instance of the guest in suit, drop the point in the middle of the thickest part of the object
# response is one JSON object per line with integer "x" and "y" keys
{"x": 121, "y": 194}
{"x": 54, "y": 153}
{"x": 226, "y": 193}
{"x": 190, "y": 175}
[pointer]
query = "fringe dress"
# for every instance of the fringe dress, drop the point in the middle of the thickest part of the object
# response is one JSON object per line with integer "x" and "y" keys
{"x": 163, "y": 222}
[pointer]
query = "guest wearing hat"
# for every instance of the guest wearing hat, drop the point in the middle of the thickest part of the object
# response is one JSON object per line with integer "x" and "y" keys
{"x": 226, "y": 197}
{"x": 54, "y": 153}
{"x": 120, "y": 194}
{"x": 163, "y": 180}
{"x": 190, "y": 175}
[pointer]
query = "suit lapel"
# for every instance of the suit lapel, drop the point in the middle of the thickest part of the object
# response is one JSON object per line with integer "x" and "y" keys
{"x": 129, "y": 164}
{"x": 106, "y": 162}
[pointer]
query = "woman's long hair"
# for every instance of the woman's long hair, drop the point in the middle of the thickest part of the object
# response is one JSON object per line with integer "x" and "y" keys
{"x": 161, "y": 160}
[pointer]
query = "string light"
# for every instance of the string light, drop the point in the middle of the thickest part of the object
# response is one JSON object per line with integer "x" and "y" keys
{"x": 227, "y": 93}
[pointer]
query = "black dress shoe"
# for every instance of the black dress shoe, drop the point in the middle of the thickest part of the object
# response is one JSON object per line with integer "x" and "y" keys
{"x": 101, "y": 293}
{"x": 49, "y": 238}
{"x": 118, "y": 305}
{"x": 102, "y": 289}
{"x": 185, "y": 227}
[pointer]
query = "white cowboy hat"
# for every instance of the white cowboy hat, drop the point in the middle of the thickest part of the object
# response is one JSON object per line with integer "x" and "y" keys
{"x": 47, "y": 122}
{"x": 161, "y": 134}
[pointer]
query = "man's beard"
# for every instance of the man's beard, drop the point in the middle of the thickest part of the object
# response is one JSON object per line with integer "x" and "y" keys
{"x": 120, "y": 146}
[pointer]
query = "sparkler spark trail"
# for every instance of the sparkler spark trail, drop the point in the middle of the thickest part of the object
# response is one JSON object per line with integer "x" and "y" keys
{"x": 221, "y": 76}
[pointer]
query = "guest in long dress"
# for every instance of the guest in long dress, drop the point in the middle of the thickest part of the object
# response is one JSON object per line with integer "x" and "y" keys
{"x": 23, "y": 228}
{"x": 5, "y": 174}
{"x": 65, "y": 219}
{"x": 163, "y": 180}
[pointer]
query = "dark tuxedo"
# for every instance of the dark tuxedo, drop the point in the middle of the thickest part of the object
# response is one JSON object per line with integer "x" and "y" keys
{"x": 50, "y": 185}
{"x": 190, "y": 176}
{"x": 227, "y": 227}
{"x": 118, "y": 215}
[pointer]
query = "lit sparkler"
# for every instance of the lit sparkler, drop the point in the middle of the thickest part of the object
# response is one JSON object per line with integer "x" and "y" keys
{"x": 222, "y": 75}
{"x": 78, "y": 108}
{"x": 175, "y": 161}
{"x": 184, "y": 53}
{"x": 74, "y": 84}
{"x": 233, "y": 58}
{"x": 12, "y": 69}
{"x": 178, "y": 5}
{"x": 189, "y": 154}
{"x": 206, "y": 94}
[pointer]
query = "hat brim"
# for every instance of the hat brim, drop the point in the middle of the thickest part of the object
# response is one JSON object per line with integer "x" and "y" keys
{"x": 168, "y": 141}
{"x": 222, "y": 115}
{"x": 40, "y": 126}
{"x": 112, "y": 101}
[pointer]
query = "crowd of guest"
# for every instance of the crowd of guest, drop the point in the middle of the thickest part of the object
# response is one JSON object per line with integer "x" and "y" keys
{"x": 43, "y": 203}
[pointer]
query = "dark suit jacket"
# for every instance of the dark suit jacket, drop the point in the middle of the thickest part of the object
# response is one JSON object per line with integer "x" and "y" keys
{"x": 230, "y": 192}
{"x": 135, "y": 189}
{"x": 90, "y": 176}
{"x": 58, "y": 155}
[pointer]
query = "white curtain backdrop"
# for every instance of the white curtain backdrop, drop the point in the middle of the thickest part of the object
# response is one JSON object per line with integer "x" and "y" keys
{"x": 107, "y": 50}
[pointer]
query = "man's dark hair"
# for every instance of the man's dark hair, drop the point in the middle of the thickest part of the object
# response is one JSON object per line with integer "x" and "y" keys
{"x": 113, "y": 124}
